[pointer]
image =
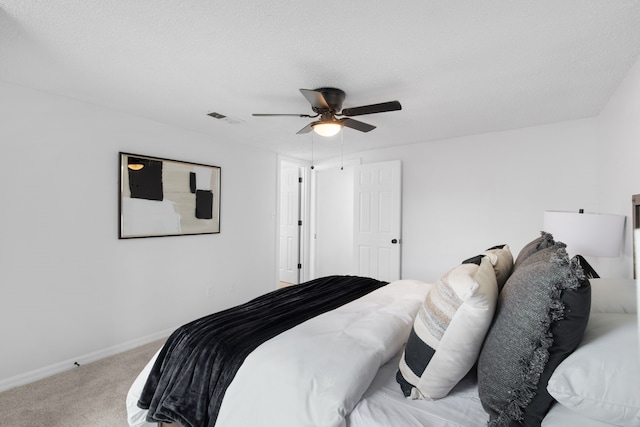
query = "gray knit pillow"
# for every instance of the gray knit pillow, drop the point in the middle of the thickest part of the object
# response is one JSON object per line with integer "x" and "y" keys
{"x": 541, "y": 316}
{"x": 544, "y": 241}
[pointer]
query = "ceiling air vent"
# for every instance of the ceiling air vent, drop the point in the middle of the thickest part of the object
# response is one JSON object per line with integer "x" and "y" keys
{"x": 230, "y": 120}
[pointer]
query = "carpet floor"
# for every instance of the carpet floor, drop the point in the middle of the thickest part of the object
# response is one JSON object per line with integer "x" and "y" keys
{"x": 91, "y": 395}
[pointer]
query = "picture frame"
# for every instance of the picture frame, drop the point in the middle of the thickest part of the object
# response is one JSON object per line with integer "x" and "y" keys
{"x": 163, "y": 197}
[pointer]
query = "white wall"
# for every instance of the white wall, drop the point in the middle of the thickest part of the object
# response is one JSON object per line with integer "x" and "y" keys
{"x": 619, "y": 160}
{"x": 70, "y": 289}
{"x": 463, "y": 195}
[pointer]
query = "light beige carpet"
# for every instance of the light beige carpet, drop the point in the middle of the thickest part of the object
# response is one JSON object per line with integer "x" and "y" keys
{"x": 91, "y": 395}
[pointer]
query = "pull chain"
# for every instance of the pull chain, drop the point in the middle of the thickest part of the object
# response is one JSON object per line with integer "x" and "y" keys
{"x": 341, "y": 149}
{"x": 312, "y": 150}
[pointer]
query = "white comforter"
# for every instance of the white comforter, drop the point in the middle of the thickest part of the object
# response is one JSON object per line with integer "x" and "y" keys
{"x": 314, "y": 374}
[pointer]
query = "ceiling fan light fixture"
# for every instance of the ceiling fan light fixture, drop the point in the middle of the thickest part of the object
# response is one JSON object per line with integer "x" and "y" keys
{"x": 327, "y": 128}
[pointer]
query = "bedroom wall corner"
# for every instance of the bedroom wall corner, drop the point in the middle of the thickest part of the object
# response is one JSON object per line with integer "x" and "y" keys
{"x": 618, "y": 171}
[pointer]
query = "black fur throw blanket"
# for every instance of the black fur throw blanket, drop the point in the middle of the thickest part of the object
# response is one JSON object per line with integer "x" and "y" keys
{"x": 200, "y": 359}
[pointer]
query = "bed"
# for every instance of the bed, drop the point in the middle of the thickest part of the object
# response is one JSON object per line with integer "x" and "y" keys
{"x": 410, "y": 353}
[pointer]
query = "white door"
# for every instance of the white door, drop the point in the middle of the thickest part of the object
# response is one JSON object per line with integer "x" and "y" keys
{"x": 377, "y": 219}
{"x": 290, "y": 187}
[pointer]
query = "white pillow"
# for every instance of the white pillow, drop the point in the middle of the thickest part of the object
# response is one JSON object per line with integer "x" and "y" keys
{"x": 613, "y": 296}
{"x": 502, "y": 260}
{"x": 560, "y": 415}
{"x": 601, "y": 379}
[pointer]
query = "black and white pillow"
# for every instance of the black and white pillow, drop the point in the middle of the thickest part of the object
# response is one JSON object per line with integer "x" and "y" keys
{"x": 448, "y": 331}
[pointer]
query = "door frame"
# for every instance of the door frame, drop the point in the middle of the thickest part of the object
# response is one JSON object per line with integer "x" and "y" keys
{"x": 313, "y": 190}
{"x": 308, "y": 206}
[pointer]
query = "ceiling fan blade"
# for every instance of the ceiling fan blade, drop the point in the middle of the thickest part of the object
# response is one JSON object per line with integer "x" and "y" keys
{"x": 357, "y": 125}
{"x": 371, "y": 109}
{"x": 276, "y": 115}
{"x": 315, "y": 98}
{"x": 306, "y": 129}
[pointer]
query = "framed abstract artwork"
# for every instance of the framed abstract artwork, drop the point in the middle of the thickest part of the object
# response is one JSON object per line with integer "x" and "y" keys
{"x": 162, "y": 197}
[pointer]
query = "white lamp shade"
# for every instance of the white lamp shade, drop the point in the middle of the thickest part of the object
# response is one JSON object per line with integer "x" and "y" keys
{"x": 588, "y": 234}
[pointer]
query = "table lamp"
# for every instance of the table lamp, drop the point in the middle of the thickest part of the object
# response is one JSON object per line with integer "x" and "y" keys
{"x": 586, "y": 234}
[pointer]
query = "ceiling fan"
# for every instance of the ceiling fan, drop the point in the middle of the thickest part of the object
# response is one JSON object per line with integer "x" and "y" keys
{"x": 326, "y": 102}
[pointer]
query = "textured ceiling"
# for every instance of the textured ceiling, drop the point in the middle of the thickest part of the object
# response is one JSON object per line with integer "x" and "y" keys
{"x": 457, "y": 67}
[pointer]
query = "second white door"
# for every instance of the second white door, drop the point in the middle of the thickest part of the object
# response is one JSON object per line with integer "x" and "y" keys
{"x": 377, "y": 220}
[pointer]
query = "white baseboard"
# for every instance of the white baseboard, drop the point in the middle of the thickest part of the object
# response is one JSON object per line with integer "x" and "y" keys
{"x": 56, "y": 368}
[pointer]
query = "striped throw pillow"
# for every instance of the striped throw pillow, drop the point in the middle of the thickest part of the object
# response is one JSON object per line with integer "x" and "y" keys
{"x": 448, "y": 331}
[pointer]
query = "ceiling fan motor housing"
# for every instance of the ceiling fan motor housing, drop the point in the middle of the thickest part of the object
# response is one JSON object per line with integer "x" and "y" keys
{"x": 334, "y": 98}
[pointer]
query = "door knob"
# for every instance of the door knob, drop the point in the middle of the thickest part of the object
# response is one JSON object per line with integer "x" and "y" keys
{"x": 394, "y": 241}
